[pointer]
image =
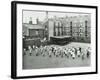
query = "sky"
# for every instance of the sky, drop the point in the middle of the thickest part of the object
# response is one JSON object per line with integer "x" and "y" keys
{"x": 41, "y": 15}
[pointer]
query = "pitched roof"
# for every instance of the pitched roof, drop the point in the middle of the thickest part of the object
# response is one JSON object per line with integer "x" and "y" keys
{"x": 33, "y": 26}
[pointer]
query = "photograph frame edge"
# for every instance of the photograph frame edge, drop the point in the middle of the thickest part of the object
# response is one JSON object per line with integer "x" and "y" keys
{"x": 14, "y": 39}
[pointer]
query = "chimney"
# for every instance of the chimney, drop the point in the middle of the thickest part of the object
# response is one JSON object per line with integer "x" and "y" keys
{"x": 46, "y": 15}
{"x": 30, "y": 21}
{"x": 37, "y": 20}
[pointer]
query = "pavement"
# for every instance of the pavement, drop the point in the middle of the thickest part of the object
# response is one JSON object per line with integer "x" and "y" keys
{"x": 40, "y": 62}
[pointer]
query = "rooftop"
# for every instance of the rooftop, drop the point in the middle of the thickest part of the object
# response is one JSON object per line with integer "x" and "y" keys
{"x": 33, "y": 26}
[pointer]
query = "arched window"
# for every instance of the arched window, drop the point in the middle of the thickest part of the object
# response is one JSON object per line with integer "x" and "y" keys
{"x": 56, "y": 24}
{"x": 86, "y": 22}
{"x": 71, "y": 28}
{"x": 86, "y": 28}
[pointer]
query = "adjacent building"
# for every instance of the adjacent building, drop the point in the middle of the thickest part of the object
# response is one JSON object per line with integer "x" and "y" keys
{"x": 34, "y": 30}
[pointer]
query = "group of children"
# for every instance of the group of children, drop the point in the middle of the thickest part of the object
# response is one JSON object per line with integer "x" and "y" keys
{"x": 58, "y": 51}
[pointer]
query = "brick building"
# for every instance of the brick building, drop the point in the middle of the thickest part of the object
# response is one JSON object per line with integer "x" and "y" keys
{"x": 77, "y": 27}
{"x": 34, "y": 30}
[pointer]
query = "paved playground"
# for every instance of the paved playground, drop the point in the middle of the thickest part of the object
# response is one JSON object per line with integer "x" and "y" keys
{"x": 40, "y": 62}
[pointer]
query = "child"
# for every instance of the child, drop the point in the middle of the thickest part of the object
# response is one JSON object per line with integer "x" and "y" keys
{"x": 78, "y": 52}
{"x": 24, "y": 51}
{"x": 72, "y": 54}
{"x": 30, "y": 50}
{"x": 88, "y": 52}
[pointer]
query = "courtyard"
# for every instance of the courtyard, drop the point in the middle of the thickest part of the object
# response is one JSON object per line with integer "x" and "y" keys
{"x": 40, "y": 62}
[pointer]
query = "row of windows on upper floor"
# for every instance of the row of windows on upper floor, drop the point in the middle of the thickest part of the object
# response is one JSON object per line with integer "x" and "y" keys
{"x": 79, "y": 24}
{"x": 73, "y": 34}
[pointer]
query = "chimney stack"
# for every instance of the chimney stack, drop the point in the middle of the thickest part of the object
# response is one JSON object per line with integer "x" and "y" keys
{"x": 30, "y": 21}
{"x": 37, "y": 20}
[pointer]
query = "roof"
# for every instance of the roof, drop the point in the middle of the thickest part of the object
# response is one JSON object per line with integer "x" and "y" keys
{"x": 33, "y": 26}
